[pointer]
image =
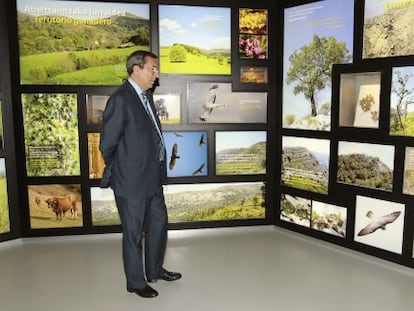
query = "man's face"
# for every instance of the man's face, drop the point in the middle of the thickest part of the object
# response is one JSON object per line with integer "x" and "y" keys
{"x": 145, "y": 76}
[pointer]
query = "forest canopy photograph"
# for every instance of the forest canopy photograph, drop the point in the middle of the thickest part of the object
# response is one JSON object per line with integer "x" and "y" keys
{"x": 79, "y": 42}
{"x": 366, "y": 165}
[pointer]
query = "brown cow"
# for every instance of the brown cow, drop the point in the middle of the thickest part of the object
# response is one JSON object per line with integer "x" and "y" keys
{"x": 61, "y": 205}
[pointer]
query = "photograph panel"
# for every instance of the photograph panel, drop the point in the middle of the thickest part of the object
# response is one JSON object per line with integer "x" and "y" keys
{"x": 359, "y": 101}
{"x": 210, "y": 102}
{"x": 51, "y": 135}
{"x": 79, "y": 42}
{"x": 387, "y": 28}
{"x": 168, "y": 108}
{"x": 104, "y": 210}
{"x": 253, "y": 33}
{"x": 317, "y": 28}
{"x": 95, "y": 106}
{"x": 329, "y": 218}
{"x": 55, "y": 206}
{"x": 215, "y": 201}
{"x": 240, "y": 152}
{"x": 295, "y": 210}
{"x": 186, "y": 153}
{"x": 4, "y": 205}
{"x": 379, "y": 223}
{"x": 305, "y": 163}
{"x": 402, "y": 98}
{"x": 95, "y": 158}
{"x": 194, "y": 39}
{"x": 366, "y": 165}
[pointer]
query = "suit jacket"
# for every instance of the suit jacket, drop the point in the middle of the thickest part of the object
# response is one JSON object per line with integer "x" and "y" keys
{"x": 129, "y": 145}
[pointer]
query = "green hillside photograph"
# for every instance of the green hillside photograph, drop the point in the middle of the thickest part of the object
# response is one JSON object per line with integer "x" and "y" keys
{"x": 194, "y": 40}
{"x": 79, "y": 43}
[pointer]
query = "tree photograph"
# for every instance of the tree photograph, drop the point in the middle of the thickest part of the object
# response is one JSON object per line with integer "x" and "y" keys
{"x": 323, "y": 37}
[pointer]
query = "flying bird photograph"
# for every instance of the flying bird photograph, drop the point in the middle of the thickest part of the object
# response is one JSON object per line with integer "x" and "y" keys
{"x": 174, "y": 156}
{"x": 186, "y": 150}
{"x": 199, "y": 170}
{"x": 202, "y": 140}
{"x": 379, "y": 223}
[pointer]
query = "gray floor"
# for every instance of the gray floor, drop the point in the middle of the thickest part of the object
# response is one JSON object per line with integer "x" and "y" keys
{"x": 243, "y": 268}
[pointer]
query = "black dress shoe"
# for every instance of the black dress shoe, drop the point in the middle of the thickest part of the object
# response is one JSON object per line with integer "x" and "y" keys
{"x": 167, "y": 276}
{"x": 146, "y": 292}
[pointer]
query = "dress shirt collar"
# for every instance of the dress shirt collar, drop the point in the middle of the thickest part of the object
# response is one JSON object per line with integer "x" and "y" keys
{"x": 136, "y": 88}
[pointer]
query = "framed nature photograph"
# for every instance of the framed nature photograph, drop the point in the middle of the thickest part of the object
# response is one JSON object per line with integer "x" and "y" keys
{"x": 103, "y": 206}
{"x": 95, "y": 106}
{"x": 359, "y": 99}
{"x": 366, "y": 165}
{"x": 186, "y": 153}
{"x": 240, "y": 152}
{"x": 194, "y": 39}
{"x": 215, "y": 201}
{"x": 55, "y": 206}
{"x": 4, "y": 205}
{"x": 311, "y": 32}
{"x": 253, "y": 74}
{"x": 95, "y": 158}
{"x": 51, "y": 135}
{"x": 305, "y": 163}
{"x": 210, "y": 102}
{"x": 79, "y": 42}
{"x": 408, "y": 177}
{"x": 387, "y": 28}
{"x": 379, "y": 223}
{"x": 329, "y": 218}
{"x": 295, "y": 210}
{"x": 253, "y": 33}
{"x": 168, "y": 108}
{"x": 401, "y": 101}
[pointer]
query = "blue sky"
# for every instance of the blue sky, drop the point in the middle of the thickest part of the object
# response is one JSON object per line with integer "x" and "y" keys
{"x": 404, "y": 70}
{"x": 324, "y": 18}
{"x": 138, "y": 9}
{"x": 203, "y": 27}
{"x": 191, "y": 154}
{"x": 314, "y": 145}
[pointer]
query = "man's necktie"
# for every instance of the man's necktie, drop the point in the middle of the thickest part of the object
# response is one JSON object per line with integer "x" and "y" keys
{"x": 148, "y": 108}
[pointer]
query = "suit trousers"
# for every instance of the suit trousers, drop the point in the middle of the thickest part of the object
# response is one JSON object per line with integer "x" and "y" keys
{"x": 143, "y": 220}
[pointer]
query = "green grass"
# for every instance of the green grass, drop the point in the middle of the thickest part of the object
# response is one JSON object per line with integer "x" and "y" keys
{"x": 195, "y": 64}
{"x": 4, "y": 208}
{"x": 249, "y": 210}
{"x": 42, "y": 217}
{"x": 99, "y": 75}
{"x": 306, "y": 184}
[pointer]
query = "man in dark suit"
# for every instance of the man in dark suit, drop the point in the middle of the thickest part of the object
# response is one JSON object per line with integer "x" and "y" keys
{"x": 134, "y": 153}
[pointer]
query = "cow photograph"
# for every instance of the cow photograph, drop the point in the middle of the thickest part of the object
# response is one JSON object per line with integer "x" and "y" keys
{"x": 55, "y": 206}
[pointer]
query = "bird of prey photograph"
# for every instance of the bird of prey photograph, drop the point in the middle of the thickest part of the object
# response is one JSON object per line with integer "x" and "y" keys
{"x": 199, "y": 170}
{"x": 185, "y": 154}
{"x": 174, "y": 156}
{"x": 202, "y": 140}
{"x": 380, "y": 222}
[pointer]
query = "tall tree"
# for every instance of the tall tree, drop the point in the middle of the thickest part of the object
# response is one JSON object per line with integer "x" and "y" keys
{"x": 311, "y": 67}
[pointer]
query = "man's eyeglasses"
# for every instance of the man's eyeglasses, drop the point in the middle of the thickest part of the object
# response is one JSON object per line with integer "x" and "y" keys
{"x": 153, "y": 69}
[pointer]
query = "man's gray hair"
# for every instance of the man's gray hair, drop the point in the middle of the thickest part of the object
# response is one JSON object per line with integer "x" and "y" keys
{"x": 138, "y": 58}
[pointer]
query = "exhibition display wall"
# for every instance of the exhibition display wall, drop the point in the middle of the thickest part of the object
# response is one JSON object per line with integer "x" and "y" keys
{"x": 295, "y": 113}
